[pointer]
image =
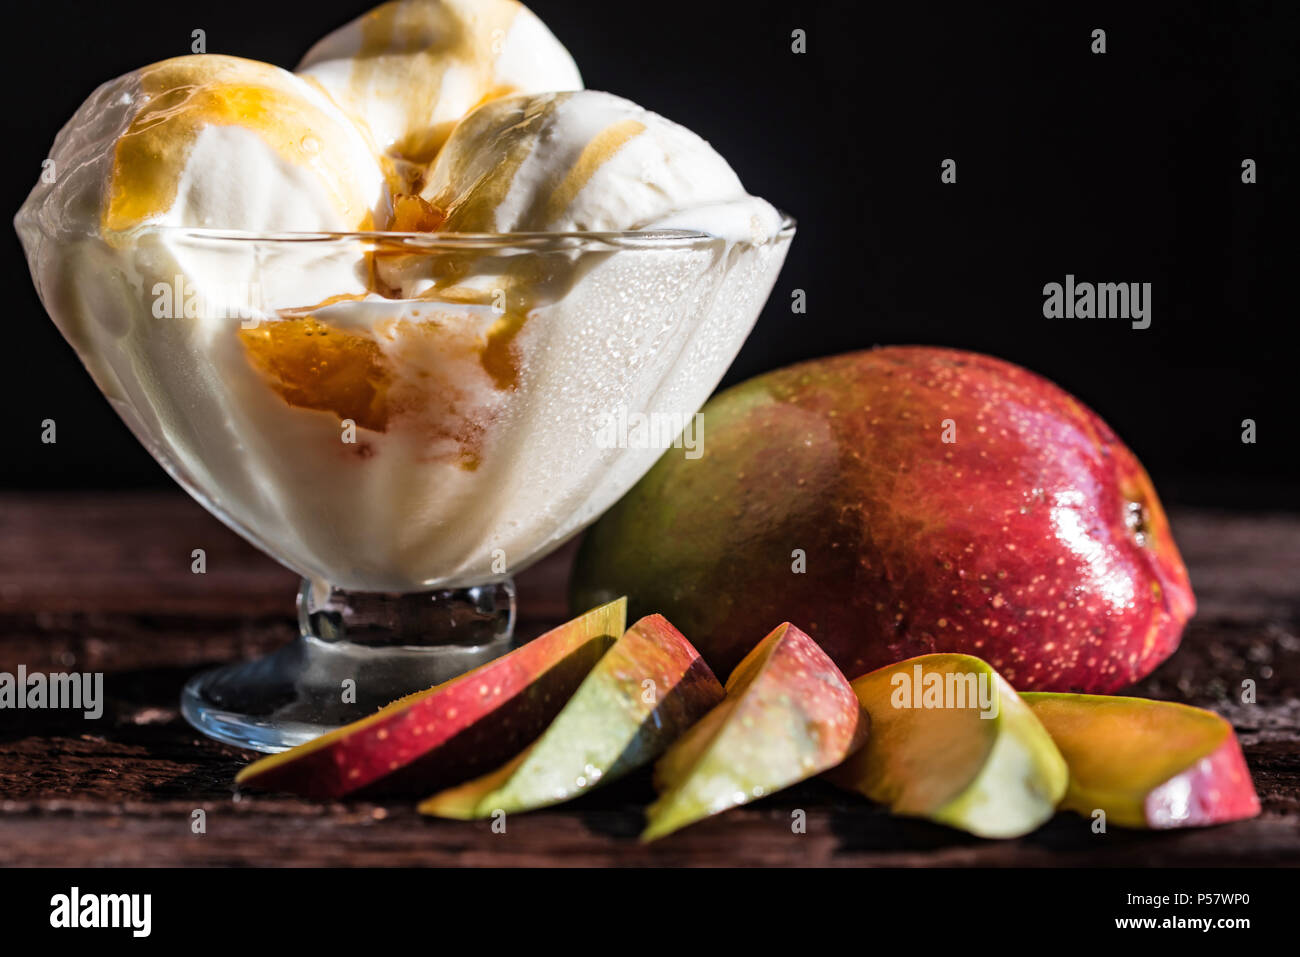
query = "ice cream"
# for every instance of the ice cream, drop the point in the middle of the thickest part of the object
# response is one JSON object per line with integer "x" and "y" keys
{"x": 587, "y": 161}
{"x": 410, "y": 69}
{"x": 388, "y": 412}
{"x": 204, "y": 142}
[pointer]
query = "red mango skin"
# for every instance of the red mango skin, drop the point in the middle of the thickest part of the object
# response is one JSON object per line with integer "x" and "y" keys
{"x": 1147, "y": 763}
{"x": 653, "y": 649}
{"x": 461, "y": 728}
{"x": 1215, "y": 790}
{"x": 1035, "y": 540}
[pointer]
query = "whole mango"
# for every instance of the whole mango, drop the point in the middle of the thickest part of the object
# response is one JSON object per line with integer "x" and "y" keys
{"x": 898, "y": 502}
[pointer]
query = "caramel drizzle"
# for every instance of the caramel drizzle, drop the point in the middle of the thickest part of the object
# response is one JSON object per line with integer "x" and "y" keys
{"x": 184, "y": 95}
{"x": 431, "y": 39}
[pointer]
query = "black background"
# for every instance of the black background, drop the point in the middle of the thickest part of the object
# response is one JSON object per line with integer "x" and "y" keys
{"x": 1122, "y": 167}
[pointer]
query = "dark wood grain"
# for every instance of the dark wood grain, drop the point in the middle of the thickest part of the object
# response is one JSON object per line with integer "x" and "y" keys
{"x": 103, "y": 583}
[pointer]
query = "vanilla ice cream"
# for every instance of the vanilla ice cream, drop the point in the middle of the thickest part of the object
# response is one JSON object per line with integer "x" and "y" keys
{"x": 417, "y": 408}
{"x": 587, "y": 161}
{"x": 410, "y": 69}
{"x": 205, "y": 142}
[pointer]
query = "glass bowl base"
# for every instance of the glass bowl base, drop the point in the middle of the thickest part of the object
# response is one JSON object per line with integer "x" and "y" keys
{"x": 324, "y": 679}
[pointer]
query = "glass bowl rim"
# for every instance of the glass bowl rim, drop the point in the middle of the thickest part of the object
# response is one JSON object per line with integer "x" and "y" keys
{"x": 640, "y": 238}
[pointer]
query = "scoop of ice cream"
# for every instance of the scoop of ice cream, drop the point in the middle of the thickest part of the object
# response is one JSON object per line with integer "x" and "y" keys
{"x": 198, "y": 141}
{"x": 586, "y": 161}
{"x": 410, "y": 69}
{"x": 208, "y": 141}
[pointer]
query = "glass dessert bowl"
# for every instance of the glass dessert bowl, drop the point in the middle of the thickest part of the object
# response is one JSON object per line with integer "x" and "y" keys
{"x": 437, "y": 424}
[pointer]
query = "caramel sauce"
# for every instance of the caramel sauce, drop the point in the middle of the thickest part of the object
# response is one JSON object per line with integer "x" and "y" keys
{"x": 415, "y": 214}
{"x": 471, "y": 194}
{"x": 182, "y": 96}
{"x": 556, "y": 199}
{"x": 312, "y": 365}
{"x": 433, "y": 39}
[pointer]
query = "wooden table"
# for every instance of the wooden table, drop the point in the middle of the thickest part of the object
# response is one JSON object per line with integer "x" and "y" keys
{"x": 102, "y": 582}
